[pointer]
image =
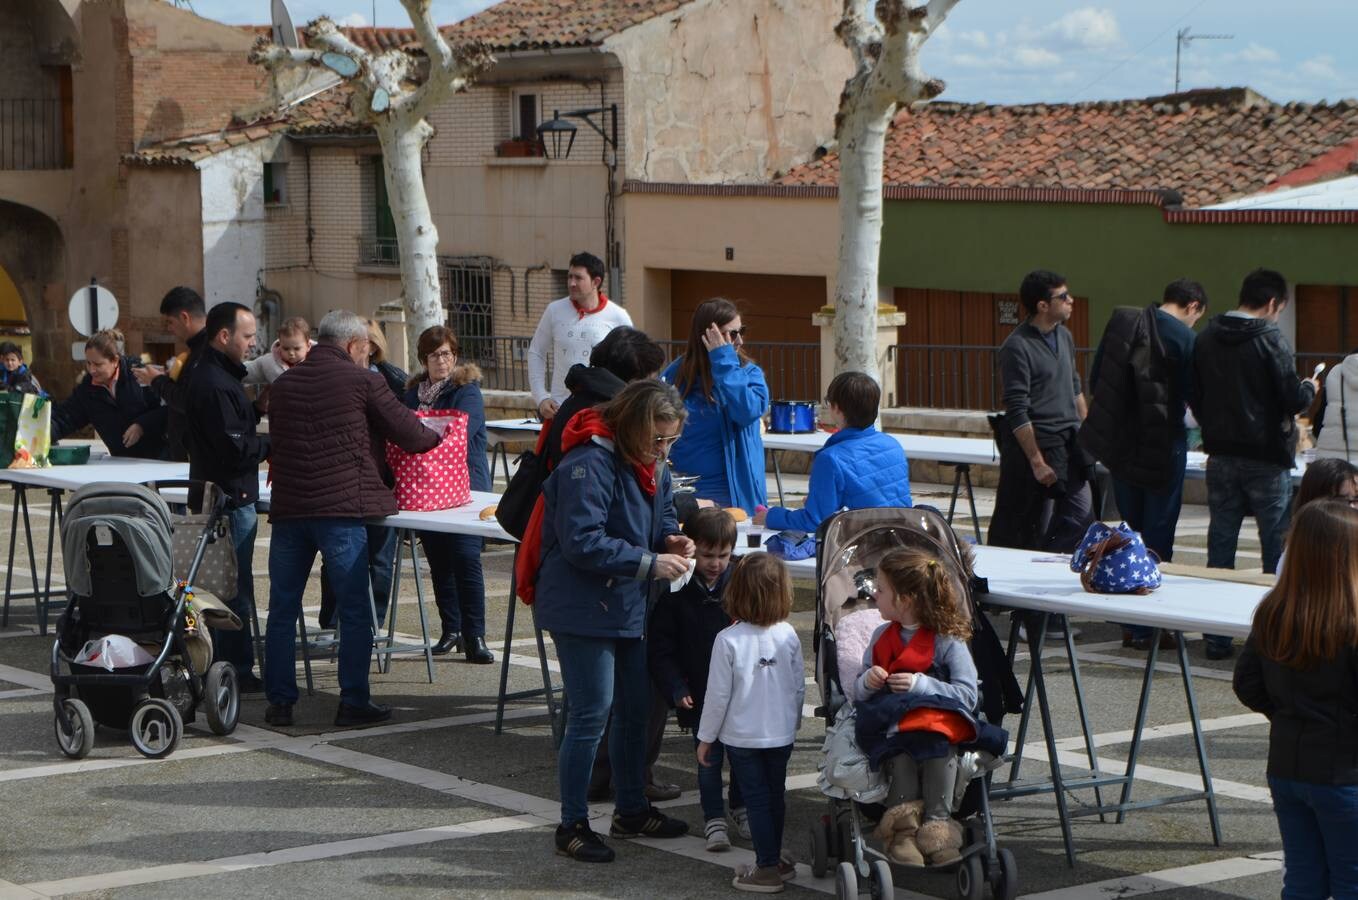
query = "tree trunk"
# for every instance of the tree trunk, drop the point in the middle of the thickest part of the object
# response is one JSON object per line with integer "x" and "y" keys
{"x": 863, "y": 142}
{"x": 417, "y": 238}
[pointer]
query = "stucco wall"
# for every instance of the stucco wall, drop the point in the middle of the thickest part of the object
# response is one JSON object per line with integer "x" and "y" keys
{"x": 720, "y": 91}
{"x": 766, "y": 236}
{"x": 233, "y": 223}
{"x": 167, "y": 250}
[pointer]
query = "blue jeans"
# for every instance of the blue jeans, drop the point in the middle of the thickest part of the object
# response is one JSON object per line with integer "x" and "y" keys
{"x": 459, "y": 587}
{"x": 709, "y": 783}
{"x": 762, "y": 774}
{"x": 1320, "y": 855}
{"x": 1237, "y": 486}
{"x": 237, "y": 647}
{"x": 381, "y": 558}
{"x": 599, "y": 674}
{"x": 1154, "y": 513}
{"x": 343, "y": 544}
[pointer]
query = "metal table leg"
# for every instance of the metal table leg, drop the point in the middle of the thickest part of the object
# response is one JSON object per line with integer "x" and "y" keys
{"x": 1080, "y": 706}
{"x": 555, "y": 709}
{"x": 778, "y": 475}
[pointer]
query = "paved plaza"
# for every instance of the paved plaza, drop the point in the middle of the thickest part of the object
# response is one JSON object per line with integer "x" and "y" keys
{"x": 435, "y": 804}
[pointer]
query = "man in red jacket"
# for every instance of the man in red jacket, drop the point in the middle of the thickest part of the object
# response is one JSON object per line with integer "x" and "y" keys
{"x": 330, "y": 418}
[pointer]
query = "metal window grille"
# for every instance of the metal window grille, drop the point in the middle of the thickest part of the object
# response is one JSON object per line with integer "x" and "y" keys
{"x": 467, "y": 285}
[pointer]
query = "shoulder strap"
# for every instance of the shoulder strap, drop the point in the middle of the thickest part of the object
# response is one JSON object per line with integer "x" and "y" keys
{"x": 1344, "y": 414}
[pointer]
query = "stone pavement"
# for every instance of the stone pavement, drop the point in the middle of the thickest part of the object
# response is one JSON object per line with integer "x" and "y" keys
{"x": 435, "y": 804}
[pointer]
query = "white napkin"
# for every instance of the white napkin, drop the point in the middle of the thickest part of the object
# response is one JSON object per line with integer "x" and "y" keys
{"x": 678, "y": 583}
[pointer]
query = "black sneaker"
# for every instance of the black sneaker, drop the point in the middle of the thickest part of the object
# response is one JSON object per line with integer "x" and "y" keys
{"x": 348, "y": 716}
{"x": 278, "y": 714}
{"x": 579, "y": 842}
{"x": 249, "y": 683}
{"x": 652, "y": 824}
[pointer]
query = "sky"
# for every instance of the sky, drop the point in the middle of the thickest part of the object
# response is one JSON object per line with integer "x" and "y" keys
{"x": 1002, "y": 51}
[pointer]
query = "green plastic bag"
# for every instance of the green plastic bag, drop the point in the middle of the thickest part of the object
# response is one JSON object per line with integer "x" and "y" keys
{"x": 33, "y": 436}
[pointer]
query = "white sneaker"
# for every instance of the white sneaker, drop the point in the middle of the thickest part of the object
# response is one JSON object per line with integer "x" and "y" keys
{"x": 741, "y": 820}
{"x": 717, "y": 839}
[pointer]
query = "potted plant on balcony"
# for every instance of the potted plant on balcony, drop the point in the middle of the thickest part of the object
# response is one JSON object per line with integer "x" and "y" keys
{"x": 519, "y": 147}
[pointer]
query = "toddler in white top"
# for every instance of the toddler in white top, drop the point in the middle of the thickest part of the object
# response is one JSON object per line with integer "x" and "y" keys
{"x": 755, "y": 688}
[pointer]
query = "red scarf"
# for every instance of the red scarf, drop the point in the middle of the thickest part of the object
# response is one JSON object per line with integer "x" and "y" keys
{"x": 918, "y": 656}
{"x": 581, "y": 313}
{"x": 583, "y": 427}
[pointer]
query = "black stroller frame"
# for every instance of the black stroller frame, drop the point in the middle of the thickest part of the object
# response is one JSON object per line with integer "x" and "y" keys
{"x": 839, "y": 835}
{"x": 156, "y": 723}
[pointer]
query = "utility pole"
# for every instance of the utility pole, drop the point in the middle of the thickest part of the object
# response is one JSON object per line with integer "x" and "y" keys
{"x": 1183, "y": 39}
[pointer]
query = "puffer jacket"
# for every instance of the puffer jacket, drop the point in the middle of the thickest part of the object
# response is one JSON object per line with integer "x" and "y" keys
{"x": 463, "y": 393}
{"x": 1339, "y": 436}
{"x": 329, "y": 421}
{"x": 1246, "y": 390}
{"x": 858, "y": 468}
{"x": 600, "y": 536}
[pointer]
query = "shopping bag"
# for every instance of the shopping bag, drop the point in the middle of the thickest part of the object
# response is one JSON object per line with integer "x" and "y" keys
{"x": 11, "y": 403}
{"x": 439, "y": 478}
{"x": 1115, "y": 561}
{"x": 33, "y": 434}
{"x": 791, "y": 545}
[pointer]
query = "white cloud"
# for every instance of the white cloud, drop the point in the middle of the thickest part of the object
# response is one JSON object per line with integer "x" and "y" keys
{"x": 1258, "y": 53}
{"x": 1035, "y": 57}
{"x": 977, "y": 39}
{"x": 1087, "y": 28}
{"x": 353, "y": 20}
{"x": 1320, "y": 67}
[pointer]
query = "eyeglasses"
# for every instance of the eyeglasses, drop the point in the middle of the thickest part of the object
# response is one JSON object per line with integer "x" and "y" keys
{"x": 666, "y": 442}
{"x": 1063, "y": 297}
{"x": 443, "y": 355}
{"x": 736, "y": 333}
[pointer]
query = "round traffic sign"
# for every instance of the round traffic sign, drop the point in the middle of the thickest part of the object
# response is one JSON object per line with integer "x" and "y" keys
{"x": 105, "y": 305}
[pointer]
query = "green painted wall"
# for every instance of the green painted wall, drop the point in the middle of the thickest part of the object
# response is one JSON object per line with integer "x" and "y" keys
{"x": 1114, "y": 255}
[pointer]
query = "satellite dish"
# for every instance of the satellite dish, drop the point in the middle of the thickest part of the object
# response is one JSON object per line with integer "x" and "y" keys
{"x": 284, "y": 34}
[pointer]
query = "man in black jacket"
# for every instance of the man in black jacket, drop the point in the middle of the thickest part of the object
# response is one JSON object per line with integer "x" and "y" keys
{"x": 1043, "y": 501}
{"x": 184, "y": 316}
{"x": 1246, "y": 393}
{"x": 224, "y": 448}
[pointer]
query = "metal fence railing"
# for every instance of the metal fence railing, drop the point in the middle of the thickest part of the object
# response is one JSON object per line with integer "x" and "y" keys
{"x": 956, "y": 376}
{"x": 32, "y": 134}
{"x": 378, "y": 251}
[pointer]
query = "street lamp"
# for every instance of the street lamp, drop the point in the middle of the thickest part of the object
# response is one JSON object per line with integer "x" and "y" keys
{"x": 556, "y": 128}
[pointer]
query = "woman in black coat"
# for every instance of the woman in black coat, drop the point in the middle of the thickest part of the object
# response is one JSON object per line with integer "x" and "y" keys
{"x": 128, "y": 417}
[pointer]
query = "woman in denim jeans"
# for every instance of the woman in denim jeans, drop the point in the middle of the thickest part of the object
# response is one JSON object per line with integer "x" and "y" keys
{"x": 1300, "y": 669}
{"x": 603, "y": 531}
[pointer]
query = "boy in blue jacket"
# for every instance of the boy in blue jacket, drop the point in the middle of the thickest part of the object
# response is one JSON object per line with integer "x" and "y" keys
{"x": 858, "y": 468}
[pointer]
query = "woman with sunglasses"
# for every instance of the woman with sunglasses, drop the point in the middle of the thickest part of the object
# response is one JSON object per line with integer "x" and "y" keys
{"x": 455, "y": 559}
{"x": 726, "y": 396}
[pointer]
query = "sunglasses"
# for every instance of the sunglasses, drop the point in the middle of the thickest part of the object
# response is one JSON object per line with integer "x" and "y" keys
{"x": 1064, "y": 296}
{"x": 736, "y": 333}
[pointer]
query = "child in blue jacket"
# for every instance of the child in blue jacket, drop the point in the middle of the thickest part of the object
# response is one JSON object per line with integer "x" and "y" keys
{"x": 858, "y": 468}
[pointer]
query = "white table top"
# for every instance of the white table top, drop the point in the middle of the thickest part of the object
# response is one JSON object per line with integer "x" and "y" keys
{"x": 459, "y": 520}
{"x": 112, "y": 468}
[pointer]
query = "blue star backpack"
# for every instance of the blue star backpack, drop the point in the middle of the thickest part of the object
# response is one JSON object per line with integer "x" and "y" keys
{"x": 1115, "y": 561}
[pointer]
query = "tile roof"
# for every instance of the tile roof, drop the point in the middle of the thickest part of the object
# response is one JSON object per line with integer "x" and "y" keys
{"x": 374, "y": 40}
{"x": 544, "y": 24}
{"x": 1207, "y": 146}
{"x": 325, "y": 113}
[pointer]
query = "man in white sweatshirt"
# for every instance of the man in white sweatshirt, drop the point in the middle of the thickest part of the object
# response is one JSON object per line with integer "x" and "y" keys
{"x": 569, "y": 329}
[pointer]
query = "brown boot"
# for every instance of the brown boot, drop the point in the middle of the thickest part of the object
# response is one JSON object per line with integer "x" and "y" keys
{"x": 940, "y": 841}
{"x": 897, "y": 830}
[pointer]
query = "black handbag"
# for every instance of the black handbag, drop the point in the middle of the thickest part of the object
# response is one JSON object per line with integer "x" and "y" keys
{"x": 521, "y": 494}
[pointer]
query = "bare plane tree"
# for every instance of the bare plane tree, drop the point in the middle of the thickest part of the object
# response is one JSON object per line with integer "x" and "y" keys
{"x": 394, "y": 92}
{"x": 885, "y": 38}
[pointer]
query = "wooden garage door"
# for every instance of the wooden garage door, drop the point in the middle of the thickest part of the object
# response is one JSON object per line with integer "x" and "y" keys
{"x": 776, "y": 309}
{"x": 950, "y": 341}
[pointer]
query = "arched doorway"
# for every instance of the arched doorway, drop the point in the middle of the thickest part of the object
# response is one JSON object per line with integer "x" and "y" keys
{"x": 32, "y": 260}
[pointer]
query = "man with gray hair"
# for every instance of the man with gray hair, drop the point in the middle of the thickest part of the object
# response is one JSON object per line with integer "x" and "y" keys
{"x": 330, "y": 418}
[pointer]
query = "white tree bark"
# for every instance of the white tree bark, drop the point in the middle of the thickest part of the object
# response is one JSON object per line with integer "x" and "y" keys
{"x": 389, "y": 95}
{"x": 885, "y": 38}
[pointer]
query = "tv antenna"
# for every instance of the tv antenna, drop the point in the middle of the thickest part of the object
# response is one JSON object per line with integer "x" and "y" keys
{"x": 284, "y": 34}
{"x": 183, "y": 4}
{"x": 1185, "y": 38}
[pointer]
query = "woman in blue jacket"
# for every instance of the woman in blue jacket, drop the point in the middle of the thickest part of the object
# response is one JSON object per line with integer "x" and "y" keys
{"x": 127, "y": 417}
{"x": 607, "y": 531}
{"x": 455, "y": 559}
{"x": 726, "y": 396}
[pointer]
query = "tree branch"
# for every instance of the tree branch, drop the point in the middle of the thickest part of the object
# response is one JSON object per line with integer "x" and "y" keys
{"x": 435, "y": 47}
{"x": 274, "y": 57}
{"x": 465, "y": 62}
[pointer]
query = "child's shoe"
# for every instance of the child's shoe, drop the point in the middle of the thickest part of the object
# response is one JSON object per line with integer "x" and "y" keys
{"x": 757, "y": 880}
{"x": 741, "y": 820}
{"x": 897, "y": 831}
{"x": 717, "y": 839}
{"x": 940, "y": 841}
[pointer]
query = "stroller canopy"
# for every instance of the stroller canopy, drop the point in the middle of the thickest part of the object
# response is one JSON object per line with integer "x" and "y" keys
{"x": 138, "y": 516}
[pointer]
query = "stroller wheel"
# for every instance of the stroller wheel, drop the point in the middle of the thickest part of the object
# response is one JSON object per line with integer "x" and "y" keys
{"x": 846, "y": 882}
{"x": 882, "y": 888}
{"x": 1005, "y": 885}
{"x": 971, "y": 879}
{"x": 155, "y": 728}
{"x": 820, "y": 849}
{"x": 78, "y": 741}
{"x": 221, "y": 698}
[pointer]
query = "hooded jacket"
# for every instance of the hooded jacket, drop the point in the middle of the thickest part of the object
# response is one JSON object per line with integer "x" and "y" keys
{"x": 112, "y": 414}
{"x": 20, "y": 381}
{"x": 1246, "y": 390}
{"x": 1338, "y": 437}
{"x": 589, "y": 386}
{"x": 463, "y": 393}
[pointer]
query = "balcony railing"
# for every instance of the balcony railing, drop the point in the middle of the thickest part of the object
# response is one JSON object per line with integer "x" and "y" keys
{"x": 33, "y": 134}
{"x": 378, "y": 251}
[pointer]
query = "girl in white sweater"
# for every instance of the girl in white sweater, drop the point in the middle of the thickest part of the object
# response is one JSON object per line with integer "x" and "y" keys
{"x": 755, "y": 688}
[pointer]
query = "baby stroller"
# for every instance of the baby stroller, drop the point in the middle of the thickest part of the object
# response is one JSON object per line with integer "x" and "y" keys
{"x": 119, "y": 546}
{"x": 849, "y": 546}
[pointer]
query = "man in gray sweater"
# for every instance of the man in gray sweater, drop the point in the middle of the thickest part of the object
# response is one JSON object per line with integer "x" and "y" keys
{"x": 1043, "y": 501}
